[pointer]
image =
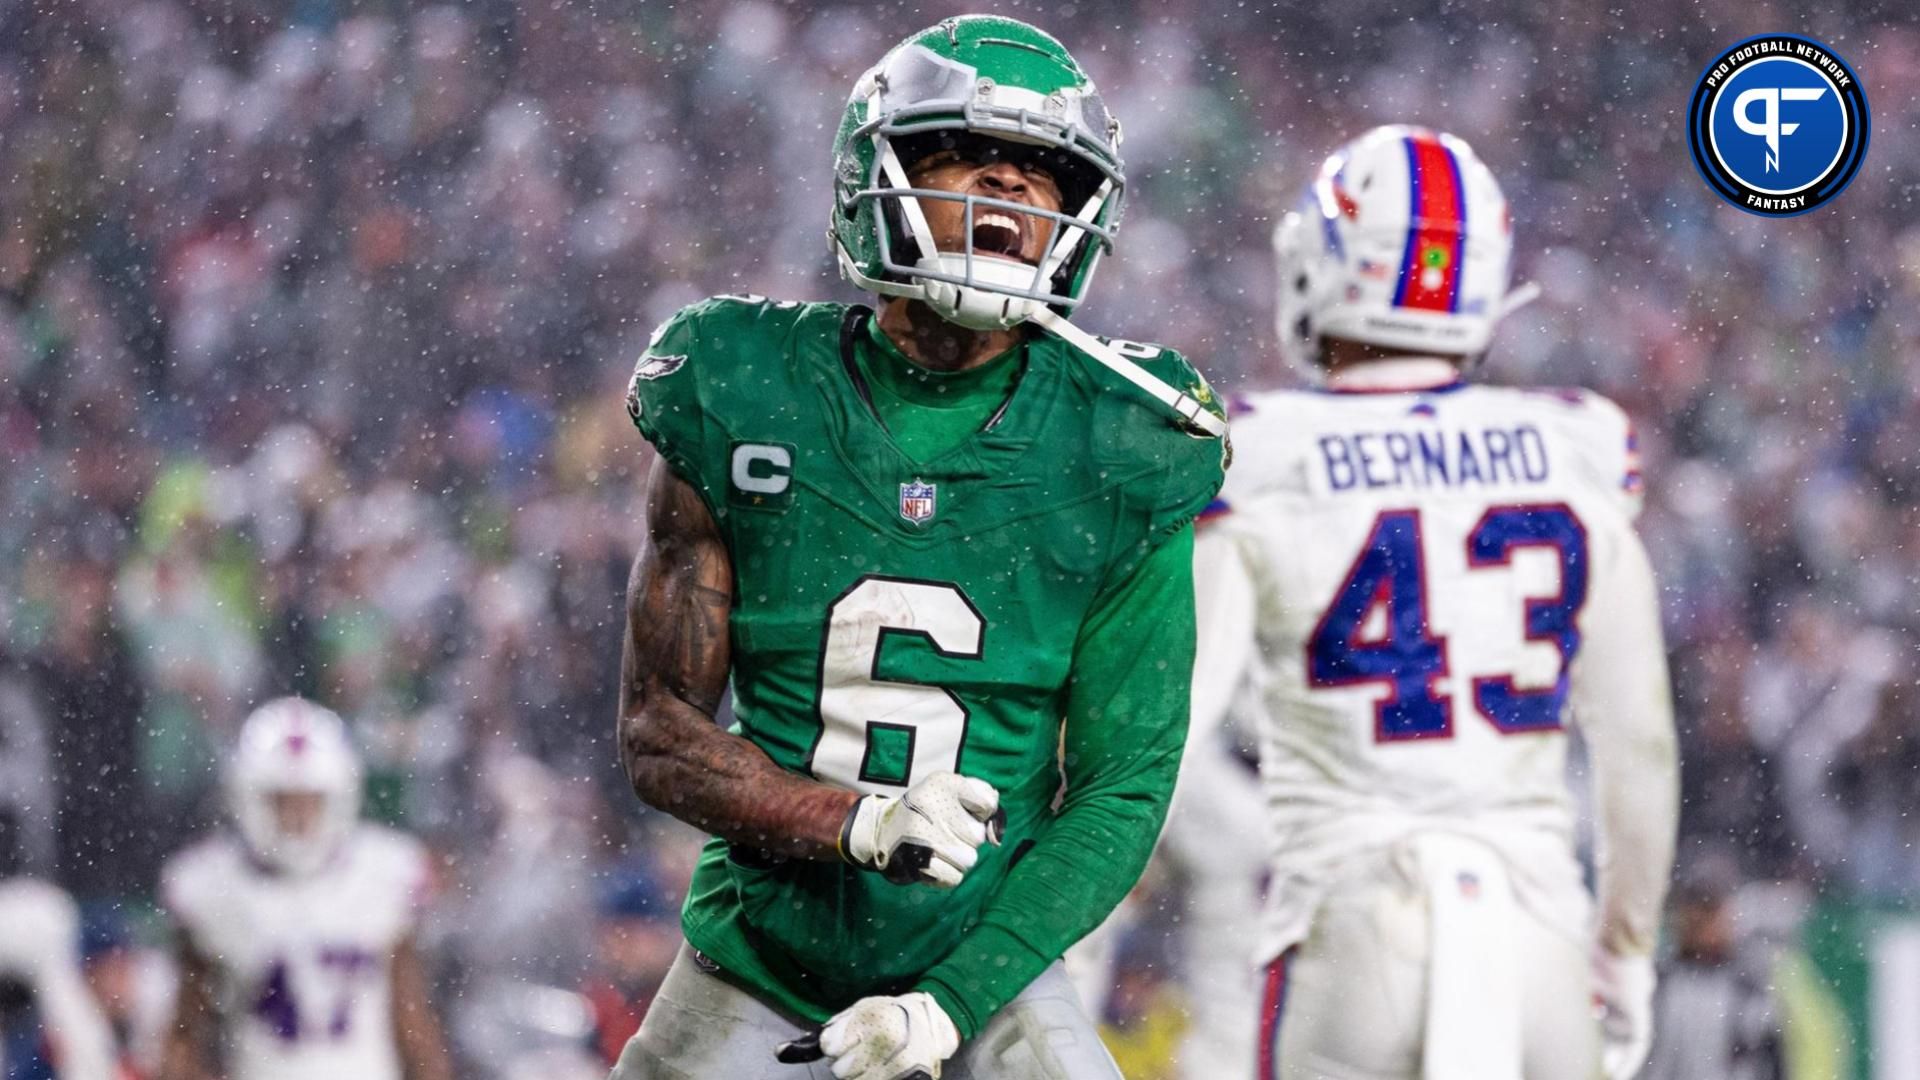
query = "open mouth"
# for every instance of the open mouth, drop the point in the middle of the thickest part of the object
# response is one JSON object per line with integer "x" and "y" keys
{"x": 995, "y": 233}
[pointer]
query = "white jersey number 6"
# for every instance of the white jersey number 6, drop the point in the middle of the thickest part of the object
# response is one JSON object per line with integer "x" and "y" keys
{"x": 880, "y": 736}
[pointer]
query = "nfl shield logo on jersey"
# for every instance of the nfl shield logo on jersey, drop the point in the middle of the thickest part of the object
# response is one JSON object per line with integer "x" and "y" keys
{"x": 916, "y": 501}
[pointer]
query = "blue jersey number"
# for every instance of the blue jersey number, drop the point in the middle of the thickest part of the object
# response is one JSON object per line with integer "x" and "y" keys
{"x": 1492, "y": 543}
{"x": 275, "y": 1005}
{"x": 1376, "y": 629}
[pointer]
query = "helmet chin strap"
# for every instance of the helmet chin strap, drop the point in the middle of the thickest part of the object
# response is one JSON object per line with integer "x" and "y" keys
{"x": 1189, "y": 409}
{"x": 1517, "y": 299}
{"x": 1510, "y": 303}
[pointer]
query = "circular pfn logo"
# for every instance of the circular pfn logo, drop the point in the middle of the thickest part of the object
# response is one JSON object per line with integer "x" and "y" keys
{"x": 1778, "y": 125}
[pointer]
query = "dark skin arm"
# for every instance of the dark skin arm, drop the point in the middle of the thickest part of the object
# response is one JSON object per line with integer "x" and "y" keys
{"x": 672, "y": 676}
{"x": 195, "y": 1021}
{"x": 416, "y": 1027}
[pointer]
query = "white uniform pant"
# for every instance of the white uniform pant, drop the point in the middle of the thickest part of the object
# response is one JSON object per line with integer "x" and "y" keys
{"x": 702, "y": 1027}
{"x": 1420, "y": 966}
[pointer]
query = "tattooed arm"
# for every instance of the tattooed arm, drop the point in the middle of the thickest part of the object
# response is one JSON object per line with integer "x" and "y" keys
{"x": 672, "y": 676}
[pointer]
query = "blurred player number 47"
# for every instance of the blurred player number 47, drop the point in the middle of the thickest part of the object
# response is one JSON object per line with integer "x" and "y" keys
{"x": 1778, "y": 125}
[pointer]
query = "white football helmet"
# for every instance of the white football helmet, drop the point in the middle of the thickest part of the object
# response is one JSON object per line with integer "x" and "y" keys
{"x": 293, "y": 745}
{"x": 1403, "y": 242}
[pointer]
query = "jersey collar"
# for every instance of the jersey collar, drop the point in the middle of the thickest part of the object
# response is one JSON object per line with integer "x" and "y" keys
{"x": 1400, "y": 375}
{"x": 904, "y": 377}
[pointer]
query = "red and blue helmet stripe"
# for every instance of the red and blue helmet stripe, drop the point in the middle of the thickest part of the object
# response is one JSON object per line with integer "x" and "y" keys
{"x": 1437, "y": 231}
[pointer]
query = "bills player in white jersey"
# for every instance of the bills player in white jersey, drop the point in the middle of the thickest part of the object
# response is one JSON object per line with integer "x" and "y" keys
{"x": 40, "y": 952}
{"x": 296, "y": 932}
{"x": 1427, "y": 583}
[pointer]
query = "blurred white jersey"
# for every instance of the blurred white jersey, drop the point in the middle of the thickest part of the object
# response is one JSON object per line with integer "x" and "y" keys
{"x": 305, "y": 962}
{"x": 1425, "y": 568}
{"x": 40, "y": 947}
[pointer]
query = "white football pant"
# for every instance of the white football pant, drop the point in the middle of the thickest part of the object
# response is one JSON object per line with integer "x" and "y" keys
{"x": 702, "y": 1027}
{"x": 1420, "y": 966}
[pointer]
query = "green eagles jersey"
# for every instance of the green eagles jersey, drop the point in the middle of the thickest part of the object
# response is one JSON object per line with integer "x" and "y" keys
{"x": 894, "y": 618}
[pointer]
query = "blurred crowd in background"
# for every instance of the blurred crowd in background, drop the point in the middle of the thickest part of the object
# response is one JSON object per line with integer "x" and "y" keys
{"x": 315, "y": 317}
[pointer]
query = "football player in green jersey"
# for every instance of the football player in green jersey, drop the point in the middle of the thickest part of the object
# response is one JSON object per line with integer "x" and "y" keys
{"x": 943, "y": 556}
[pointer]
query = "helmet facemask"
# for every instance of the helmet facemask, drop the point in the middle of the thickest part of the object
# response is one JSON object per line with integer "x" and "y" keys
{"x": 291, "y": 750}
{"x": 1300, "y": 281}
{"x": 917, "y": 102}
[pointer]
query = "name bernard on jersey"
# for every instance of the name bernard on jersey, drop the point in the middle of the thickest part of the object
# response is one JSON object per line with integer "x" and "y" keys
{"x": 1434, "y": 458}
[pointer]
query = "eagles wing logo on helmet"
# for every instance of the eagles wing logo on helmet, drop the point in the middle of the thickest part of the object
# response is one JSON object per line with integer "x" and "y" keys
{"x": 987, "y": 76}
{"x": 649, "y": 368}
{"x": 653, "y": 367}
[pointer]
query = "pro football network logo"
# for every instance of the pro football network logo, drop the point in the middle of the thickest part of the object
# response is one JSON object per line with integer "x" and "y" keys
{"x": 917, "y": 501}
{"x": 1778, "y": 125}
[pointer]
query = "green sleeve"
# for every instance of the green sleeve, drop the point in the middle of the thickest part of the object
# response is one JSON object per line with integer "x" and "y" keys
{"x": 1126, "y": 722}
{"x": 677, "y": 396}
{"x": 663, "y": 395}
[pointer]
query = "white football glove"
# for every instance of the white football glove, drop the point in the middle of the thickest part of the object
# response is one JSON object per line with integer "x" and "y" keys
{"x": 1623, "y": 987}
{"x": 929, "y": 834}
{"x": 890, "y": 1038}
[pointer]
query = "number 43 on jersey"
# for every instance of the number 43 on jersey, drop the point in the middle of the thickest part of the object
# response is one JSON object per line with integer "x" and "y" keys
{"x": 1377, "y": 630}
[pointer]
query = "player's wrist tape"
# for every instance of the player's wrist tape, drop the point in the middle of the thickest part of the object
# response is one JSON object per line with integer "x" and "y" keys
{"x": 853, "y": 850}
